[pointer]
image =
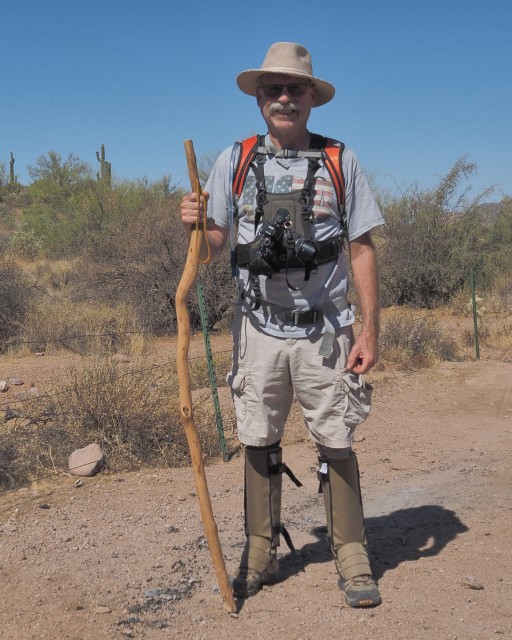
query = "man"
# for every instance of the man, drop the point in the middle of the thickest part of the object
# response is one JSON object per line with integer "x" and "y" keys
{"x": 292, "y": 328}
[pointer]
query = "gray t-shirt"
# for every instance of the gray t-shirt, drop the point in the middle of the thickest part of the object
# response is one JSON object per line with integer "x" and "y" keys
{"x": 327, "y": 288}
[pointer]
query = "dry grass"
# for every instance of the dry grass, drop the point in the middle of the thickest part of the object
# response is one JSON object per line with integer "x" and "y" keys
{"x": 51, "y": 276}
{"x": 82, "y": 328}
{"x": 413, "y": 339}
{"x": 131, "y": 410}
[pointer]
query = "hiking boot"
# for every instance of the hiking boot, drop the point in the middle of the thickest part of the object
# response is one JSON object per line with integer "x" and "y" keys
{"x": 247, "y": 582}
{"x": 361, "y": 591}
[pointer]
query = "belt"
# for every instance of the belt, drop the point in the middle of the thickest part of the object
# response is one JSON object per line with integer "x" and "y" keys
{"x": 300, "y": 318}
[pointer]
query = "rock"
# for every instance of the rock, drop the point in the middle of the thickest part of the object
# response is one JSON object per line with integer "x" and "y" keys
{"x": 10, "y": 414}
{"x": 3, "y": 385}
{"x": 16, "y": 382}
{"x": 102, "y": 609}
{"x": 471, "y": 582}
{"x": 87, "y": 461}
{"x": 32, "y": 392}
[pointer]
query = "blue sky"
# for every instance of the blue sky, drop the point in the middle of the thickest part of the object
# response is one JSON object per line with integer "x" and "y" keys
{"x": 420, "y": 83}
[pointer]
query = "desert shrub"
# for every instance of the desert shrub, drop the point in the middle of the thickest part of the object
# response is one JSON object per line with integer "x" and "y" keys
{"x": 15, "y": 294}
{"x": 140, "y": 264}
{"x": 63, "y": 204}
{"x": 131, "y": 410}
{"x": 431, "y": 240}
{"x": 413, "y": 341}
{"x": 498, "y": 255}
{"x": 499, "y": 298}
{"x": 25, "y": 243}
{"x": 8, "y": 459}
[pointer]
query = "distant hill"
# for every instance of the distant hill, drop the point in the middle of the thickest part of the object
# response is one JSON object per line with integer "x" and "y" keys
{"x": 490, "y": 211}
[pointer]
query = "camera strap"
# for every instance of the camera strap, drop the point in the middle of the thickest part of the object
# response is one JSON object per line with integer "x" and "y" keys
{"x": 309, "y": 267}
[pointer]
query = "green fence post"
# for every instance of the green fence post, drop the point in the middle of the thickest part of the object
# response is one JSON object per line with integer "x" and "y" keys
{"x": 475, "y": 314}
{"x": 211, "y": 372}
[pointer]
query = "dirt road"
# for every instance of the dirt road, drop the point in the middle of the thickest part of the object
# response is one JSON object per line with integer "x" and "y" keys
{"x": 125, "y": 556}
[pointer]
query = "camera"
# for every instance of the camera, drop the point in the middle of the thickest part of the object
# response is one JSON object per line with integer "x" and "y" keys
{"x": 273, "y": 249}
{"x": 272, "y": 234}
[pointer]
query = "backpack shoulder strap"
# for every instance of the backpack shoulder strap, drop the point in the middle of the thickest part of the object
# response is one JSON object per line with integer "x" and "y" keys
{"x": 248, "y": 150}
{"x": 332, "y": 156}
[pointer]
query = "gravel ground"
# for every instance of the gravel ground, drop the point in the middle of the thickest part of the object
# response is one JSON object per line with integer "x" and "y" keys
{"x": 125, "y": 555}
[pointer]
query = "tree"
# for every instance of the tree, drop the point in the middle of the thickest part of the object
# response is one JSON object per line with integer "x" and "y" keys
{"x": 63, "y": 202}
{"x": 431, "y": 240}
{"x": 51, "y": 168}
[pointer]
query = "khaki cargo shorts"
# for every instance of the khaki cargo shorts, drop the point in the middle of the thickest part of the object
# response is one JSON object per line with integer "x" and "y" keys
{"x": 268, "y": 372}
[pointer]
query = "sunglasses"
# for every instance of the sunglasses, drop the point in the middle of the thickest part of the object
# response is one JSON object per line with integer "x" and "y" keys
{"x": 295, "y": 89}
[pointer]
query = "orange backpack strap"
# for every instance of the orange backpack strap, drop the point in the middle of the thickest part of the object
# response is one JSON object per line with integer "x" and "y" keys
{"x": 248, "y": 149}
{"x": 332, "y": 156}
{"x": 333, "y": 165}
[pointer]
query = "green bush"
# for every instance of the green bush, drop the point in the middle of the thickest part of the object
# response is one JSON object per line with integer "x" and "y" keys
{"x": 431, "y": 240}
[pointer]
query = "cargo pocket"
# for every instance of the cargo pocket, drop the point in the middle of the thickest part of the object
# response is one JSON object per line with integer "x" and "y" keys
{"x": 359, "y": 396}
{"x": 237, "y": 385}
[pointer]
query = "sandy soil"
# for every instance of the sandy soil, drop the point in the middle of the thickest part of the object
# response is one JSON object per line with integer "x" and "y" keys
{"x": 125, "y": 555}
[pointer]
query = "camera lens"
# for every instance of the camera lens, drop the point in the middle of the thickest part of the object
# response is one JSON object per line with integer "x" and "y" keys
{"x": 305, "y": 250}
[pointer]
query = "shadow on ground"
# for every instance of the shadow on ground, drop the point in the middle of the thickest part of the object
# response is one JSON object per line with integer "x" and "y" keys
{"x": 401, "y": 536}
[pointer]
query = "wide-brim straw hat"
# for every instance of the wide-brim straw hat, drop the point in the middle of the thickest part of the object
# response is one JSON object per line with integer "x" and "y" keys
{"x": 292, "y": 60}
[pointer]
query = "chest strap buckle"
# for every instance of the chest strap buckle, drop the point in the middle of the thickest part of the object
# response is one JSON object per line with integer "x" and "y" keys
{"x": 311, "y": 316}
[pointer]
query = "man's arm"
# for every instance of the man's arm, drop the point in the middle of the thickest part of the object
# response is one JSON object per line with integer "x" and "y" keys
{"x": 217, "y": 236}
{"x": 365, "y": 352}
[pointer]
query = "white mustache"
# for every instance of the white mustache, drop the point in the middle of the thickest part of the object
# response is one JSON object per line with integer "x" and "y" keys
{"x": 277, "y": 107}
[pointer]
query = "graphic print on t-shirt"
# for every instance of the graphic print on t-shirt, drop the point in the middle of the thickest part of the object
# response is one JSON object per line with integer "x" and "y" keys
{"x": 323, "y": 194}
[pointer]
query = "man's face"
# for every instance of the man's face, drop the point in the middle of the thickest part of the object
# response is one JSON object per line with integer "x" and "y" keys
{"x": 285, "y": 102}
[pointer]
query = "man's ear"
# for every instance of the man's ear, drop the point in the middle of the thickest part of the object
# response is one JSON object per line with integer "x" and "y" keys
{"x": 314, "y": 94}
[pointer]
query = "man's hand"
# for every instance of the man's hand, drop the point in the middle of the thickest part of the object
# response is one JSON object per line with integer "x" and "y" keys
{"x": 215, "y": 236}
{"x": 188, "y": 208}
{"x": 364, "y": 354}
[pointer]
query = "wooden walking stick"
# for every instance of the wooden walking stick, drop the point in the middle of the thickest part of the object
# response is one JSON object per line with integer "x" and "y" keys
{"x": 187, "y": 280}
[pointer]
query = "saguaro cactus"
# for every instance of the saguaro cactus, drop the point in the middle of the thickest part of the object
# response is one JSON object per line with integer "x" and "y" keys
{"x": 105, "y": 173}
{"x": 12, "y": 177}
